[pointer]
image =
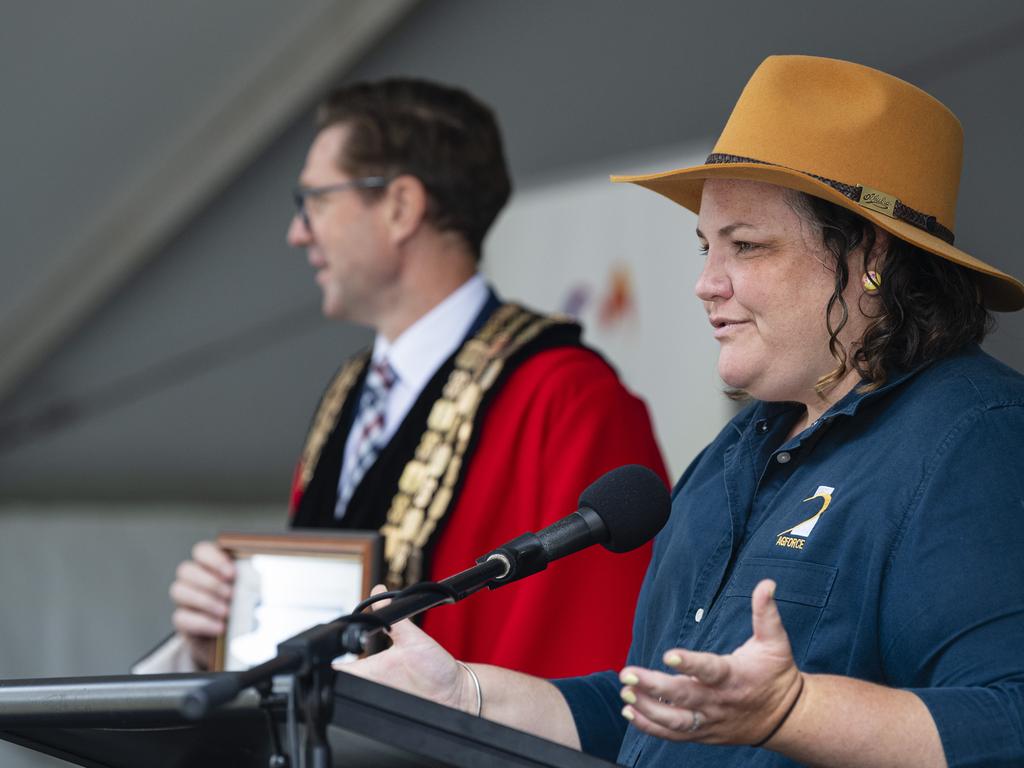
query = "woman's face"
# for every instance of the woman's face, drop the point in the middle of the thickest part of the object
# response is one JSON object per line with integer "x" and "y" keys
{"x": 765, "y": 285}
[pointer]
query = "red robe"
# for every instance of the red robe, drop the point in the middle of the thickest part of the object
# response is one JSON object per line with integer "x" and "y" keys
{"x": 561, "y": 420}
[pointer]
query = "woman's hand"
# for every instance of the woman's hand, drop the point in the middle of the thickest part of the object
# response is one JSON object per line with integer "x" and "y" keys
{"x": 418, "y": 665}
{"x": 739, "y": 698}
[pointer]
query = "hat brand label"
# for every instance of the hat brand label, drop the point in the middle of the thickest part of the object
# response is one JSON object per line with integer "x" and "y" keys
{"x": 878, "y": 201}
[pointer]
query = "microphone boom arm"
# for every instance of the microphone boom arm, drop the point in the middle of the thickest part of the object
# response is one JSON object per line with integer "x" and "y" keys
{"x": 320, "y": 644}
{"x": 621, "y": 510}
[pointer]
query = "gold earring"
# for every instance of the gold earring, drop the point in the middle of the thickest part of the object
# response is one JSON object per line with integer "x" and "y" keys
{"x": 871, "y": 281}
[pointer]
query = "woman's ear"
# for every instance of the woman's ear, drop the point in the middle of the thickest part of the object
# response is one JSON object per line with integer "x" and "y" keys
{"x": 875, "y": 259}
{"x": 873, "y": 267}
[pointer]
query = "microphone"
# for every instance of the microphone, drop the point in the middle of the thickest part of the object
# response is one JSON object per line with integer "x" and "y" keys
{"x": 621, "y": 510}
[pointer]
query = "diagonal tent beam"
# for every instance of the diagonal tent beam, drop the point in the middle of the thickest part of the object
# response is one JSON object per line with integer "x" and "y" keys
{"x": 234, "y": 127}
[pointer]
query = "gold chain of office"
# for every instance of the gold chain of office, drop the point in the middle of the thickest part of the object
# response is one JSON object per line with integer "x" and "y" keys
{"x": 427, "y": 484}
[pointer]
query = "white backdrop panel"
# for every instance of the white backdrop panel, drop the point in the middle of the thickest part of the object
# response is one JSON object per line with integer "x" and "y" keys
{"x": 561, "y": 243}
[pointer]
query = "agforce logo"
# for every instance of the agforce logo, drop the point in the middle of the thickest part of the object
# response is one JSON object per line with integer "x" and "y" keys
{"x": 796, "y": 537}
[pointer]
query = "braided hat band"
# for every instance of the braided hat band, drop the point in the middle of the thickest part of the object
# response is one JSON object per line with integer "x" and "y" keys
{"x": 864, "y": 196}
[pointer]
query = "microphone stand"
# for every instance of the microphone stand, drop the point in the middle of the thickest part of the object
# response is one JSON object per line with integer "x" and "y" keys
{"x": 308, "y": 655}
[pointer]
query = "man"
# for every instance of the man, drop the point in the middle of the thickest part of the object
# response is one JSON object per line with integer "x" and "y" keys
{"x": 470, "y": 421}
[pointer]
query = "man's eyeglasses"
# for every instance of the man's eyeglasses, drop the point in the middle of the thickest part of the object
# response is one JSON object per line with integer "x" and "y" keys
{"x": 302, "y": 195}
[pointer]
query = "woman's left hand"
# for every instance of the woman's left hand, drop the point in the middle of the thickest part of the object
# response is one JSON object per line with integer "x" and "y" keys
{"x": 739, "y": 698}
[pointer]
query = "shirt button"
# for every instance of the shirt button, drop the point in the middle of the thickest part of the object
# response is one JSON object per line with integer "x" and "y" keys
{"x": 698, "y": 615}
{"x": 783, "y": 458}
{"x": 761, "y": 427}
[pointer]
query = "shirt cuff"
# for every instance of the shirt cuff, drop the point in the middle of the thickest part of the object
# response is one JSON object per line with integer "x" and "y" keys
{"x": 596, "y": 708}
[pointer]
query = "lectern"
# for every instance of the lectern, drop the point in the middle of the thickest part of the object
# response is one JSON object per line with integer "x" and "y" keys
{"x": 134, "y": 722}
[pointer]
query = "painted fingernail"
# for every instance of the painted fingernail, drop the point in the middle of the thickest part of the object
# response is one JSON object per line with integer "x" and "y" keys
{"x": 628, "y": 713}
{"x": 628, "y": 678}
{"x": 673, "y": 659}
{"x": 628, "y": 696}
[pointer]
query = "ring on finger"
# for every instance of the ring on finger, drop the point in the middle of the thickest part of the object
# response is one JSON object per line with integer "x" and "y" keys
{"x": 698, "y": 720}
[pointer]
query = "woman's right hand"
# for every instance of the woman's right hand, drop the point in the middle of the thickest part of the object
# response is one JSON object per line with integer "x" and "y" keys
{"x": 416, "y": 664}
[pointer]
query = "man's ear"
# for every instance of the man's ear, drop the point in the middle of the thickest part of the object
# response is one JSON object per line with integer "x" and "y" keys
{"x": 406, "y": 207}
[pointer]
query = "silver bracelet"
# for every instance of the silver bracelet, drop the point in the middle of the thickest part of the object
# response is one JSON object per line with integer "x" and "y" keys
{"x": 476, "y": 685}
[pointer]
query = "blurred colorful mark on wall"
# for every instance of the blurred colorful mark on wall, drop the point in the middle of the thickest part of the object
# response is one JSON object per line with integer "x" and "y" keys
{"x": 619, "y": 301}
{"x": 576, "y": 300}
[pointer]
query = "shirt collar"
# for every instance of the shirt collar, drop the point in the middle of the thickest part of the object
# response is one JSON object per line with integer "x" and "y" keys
{"x": 847, "y": 405}
{"x": 853, "y": 399}
{"x": 422, "y": 347}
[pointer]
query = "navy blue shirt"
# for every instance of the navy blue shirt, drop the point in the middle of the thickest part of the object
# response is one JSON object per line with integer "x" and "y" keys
{"x": 894, "y": 528}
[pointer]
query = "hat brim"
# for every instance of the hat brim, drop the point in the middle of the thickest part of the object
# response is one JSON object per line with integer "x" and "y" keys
{"x": 1001, "y": 292}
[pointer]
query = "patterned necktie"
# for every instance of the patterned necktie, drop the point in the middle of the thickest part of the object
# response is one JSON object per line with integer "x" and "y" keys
{"x": 369, "y": 429}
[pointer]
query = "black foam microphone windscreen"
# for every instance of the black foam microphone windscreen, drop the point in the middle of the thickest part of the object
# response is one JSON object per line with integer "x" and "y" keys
{"x": 633, "y": 503}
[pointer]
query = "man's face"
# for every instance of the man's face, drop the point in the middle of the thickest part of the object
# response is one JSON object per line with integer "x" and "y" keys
{"x": 347, "y": 241}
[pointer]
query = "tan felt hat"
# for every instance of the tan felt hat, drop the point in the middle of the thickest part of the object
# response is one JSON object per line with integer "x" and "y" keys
{"x": 852, "y": 135}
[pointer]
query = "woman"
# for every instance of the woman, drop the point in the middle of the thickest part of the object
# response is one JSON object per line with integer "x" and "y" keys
{"x": 869, "y": 499}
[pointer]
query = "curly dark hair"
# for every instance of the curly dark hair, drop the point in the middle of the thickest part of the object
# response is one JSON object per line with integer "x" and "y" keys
{"x": 929, "y": 306}
{"x": 441, "y": 135}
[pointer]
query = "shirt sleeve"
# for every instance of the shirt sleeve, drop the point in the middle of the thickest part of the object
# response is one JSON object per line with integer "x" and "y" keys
{"x": 172, "y": 655}
{"x": 595, "y": 706}
{"x": 952, "y": 615}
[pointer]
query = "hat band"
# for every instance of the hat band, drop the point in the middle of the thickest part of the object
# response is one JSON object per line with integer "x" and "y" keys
{"x": 865, "y": 196}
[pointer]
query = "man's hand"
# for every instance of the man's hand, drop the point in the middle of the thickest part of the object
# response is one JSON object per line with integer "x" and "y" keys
{"x": 201, "y": 593}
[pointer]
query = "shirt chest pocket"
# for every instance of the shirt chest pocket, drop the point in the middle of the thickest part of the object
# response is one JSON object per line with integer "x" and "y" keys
{"x": 802, "y": 592}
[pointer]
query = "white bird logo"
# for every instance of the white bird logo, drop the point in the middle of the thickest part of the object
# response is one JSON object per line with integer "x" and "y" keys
{"x": 804, "y": 529}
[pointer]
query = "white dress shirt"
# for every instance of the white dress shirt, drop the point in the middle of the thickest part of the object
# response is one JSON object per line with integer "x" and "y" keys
{"x": 416, "y": 355}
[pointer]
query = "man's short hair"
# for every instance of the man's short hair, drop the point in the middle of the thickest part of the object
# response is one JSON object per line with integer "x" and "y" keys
{"x": 441, "y": 135}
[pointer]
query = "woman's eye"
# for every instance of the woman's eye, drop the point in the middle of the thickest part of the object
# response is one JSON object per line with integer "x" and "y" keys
{"x": 743, "y": 246}
{"x": 702, "y": 249}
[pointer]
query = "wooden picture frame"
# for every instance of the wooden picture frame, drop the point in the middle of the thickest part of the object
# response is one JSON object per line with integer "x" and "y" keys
{"x": 288, "y": 582}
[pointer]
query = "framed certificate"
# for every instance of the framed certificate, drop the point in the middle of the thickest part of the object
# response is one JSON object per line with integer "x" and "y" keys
{"x": 288, "y": 582}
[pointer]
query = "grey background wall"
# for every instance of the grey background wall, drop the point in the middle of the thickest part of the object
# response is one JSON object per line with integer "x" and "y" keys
{"x": 221, "y": 321}
{"x": 573, "y": 82}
